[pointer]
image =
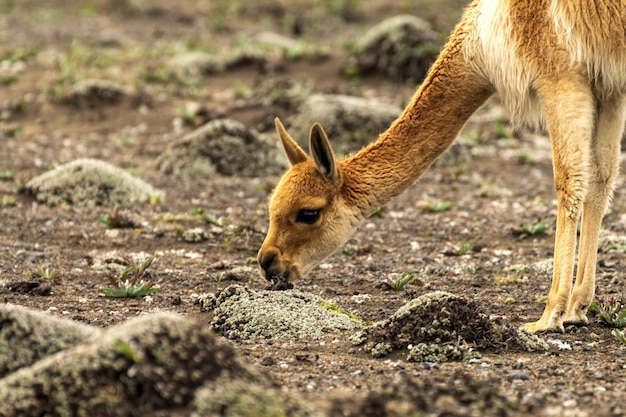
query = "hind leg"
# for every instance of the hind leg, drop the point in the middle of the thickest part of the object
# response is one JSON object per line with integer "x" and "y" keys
{"x": 604, "y": 168}
{"x": 569, "y": 108}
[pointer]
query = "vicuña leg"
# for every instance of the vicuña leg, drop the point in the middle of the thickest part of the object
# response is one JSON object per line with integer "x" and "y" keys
{"x": 569, "y": 110}
{"x": 604, "y": 167}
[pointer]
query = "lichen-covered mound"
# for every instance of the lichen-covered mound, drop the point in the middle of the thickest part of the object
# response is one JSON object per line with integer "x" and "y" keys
{"x": 27, "y": 336}
{"x": 241, "y": 313}
{"x": 459, "y": 395}
{"x": 152, "y": 363}
{"x": 402, "y": 47}
{"x": 92, "y": 93}
{"x": 350, "y": 122}
{"x": 224, "y": 146}
{"x": 90, "y": 182}
{"x": 438, "y": 327}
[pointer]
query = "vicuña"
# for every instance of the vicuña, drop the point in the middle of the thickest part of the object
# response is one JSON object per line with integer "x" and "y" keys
{"x": 561, "y": 63}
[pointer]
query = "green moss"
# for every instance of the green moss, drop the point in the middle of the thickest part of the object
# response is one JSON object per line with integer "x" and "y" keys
{"x": 333, "y": 308}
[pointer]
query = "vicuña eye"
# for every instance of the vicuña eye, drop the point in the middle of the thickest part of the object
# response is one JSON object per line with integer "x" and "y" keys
{"x": 307, "y": 216}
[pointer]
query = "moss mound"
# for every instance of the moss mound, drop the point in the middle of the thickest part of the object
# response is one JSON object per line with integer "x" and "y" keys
{"x": 402, "y": 48}
{"x": 221, "y": 146}
{"x": 459, "y": 395}
{"x": 90, "y": 182}
{"x": 439, "y": 327}
{"x": 27, "y": 336}
{"x": 350, "y": 122}
{"x": 241, "y": 313}
{"x": 152, "y": 363}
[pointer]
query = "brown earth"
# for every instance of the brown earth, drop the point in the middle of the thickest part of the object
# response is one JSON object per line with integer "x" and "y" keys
{"x": 502, "y": 184}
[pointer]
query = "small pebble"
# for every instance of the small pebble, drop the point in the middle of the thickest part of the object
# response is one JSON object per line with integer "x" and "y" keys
{"x": 267, "y": 360}
{"x": 518, "y": 376}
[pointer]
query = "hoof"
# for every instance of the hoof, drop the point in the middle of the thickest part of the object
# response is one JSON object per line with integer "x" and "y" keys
{"x": 539, "y": 326}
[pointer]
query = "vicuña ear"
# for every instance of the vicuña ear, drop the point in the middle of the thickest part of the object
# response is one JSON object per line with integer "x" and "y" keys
{"x": 323, "y": 154}
{"x": 295, "y": 154}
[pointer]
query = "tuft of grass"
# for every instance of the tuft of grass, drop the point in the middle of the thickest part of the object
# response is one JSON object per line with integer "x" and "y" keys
{"x": 513, "y": 279}
{"x": 539, "y": 228}
{"x": 612, "y": 313}
{"x": 125, "y": 289}
{"x": 42, "y": 272}
{"x": 131, "y": 282}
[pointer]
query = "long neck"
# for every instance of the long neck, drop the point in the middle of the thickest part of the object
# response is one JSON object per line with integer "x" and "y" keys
{"x": 449, "y": 95}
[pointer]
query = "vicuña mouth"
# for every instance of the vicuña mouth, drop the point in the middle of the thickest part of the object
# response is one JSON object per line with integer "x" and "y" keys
{"x": 279, "y": 282}
{"x": 279, "y": 285}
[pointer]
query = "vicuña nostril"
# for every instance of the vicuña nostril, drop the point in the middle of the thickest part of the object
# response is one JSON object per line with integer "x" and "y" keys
{"x": 266, "y": 259}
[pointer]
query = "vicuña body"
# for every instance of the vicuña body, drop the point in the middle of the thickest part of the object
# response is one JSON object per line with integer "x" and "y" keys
{"x": 558, "y": 62}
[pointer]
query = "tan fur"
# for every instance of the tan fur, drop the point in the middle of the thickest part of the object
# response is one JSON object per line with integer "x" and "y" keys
{"x": 561, "y": 63}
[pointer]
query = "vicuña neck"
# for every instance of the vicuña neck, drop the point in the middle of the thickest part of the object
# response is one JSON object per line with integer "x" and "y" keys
{"x": 449, "y": 95}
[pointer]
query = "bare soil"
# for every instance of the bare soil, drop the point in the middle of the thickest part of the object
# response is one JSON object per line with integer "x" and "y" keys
{"x": 502, "y": 183}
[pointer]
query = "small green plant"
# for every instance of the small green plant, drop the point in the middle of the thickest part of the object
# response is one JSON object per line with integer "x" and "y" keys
{"x": 108, "y": 220}
{"x": 402, "y": 281}
{"x": 126, "y": 350}
{"x": 539, "y": 228}
{"x": 466, "y": 247}
{"x": 435, "y": 206}
{"x": 42, "y": 272}
{"x": 347, "y": 250}
{"x": 7, "y": 201}
{"x": 612, "y": 313}
{"x": 131, "y": 282}
{"x": 619, "y": 335}
{"x": 501, "y": 129}
{"x": 6, "y": 175}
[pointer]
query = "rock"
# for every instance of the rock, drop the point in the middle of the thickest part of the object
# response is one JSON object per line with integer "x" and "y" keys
{"x": 402, "y": 48}
{"x": 518, "y": 376}
{"x": 221, "y": 146}
{"x": 28, "y": 335}
{"x": 90, "y": 182}
{"x": 350, "y": 122}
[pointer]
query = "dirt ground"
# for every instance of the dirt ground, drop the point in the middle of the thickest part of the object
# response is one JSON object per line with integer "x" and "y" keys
{"x": 502, "y": 182}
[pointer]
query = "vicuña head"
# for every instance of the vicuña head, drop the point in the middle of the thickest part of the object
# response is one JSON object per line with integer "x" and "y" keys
{"x": 309, "y": 215}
